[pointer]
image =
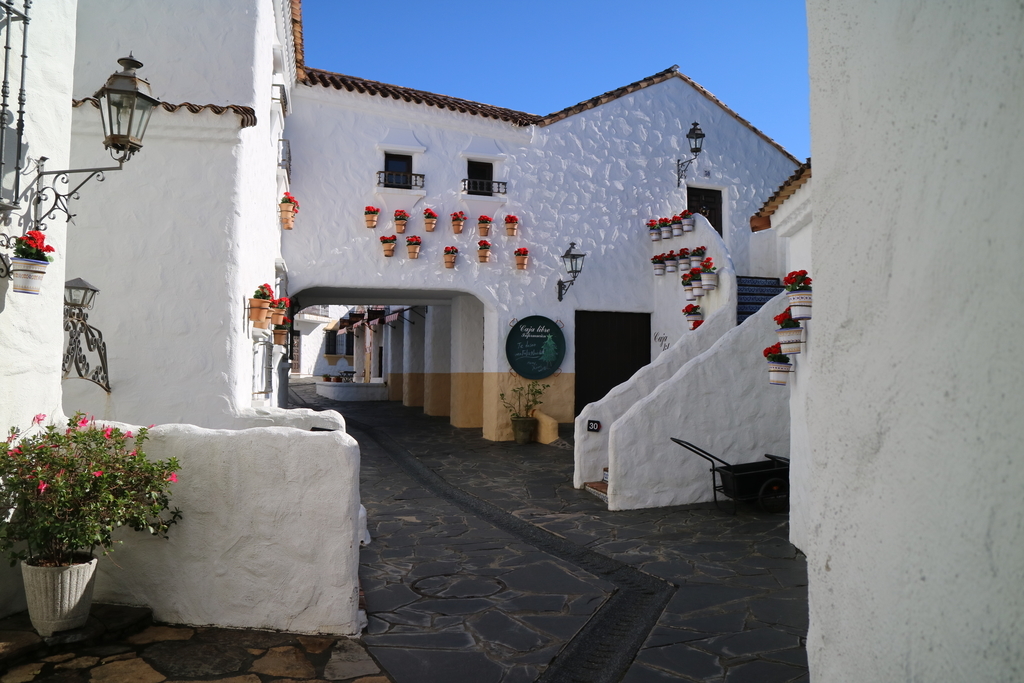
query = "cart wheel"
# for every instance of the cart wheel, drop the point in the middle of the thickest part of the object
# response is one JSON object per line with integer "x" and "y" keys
{"x": 774, "y": 496}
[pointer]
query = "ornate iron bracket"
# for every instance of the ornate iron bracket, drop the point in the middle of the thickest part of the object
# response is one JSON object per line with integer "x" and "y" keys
{"x": 6, "y": 242}
{"x": 681, "y": 168}
{"x": 76, "y": 324}
{"x": 563, "y": 287}
{"x": 59, "y": 200}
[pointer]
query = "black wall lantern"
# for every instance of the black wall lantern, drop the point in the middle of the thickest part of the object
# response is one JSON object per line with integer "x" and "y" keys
{"x": 572, "y": 260}
{"x": 125, "y": 107}
{"x": 79, "y": 296}
{"x": 696, "y": 138}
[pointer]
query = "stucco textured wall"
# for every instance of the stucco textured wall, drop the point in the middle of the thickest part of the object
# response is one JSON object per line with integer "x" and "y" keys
{"x": 720, "y": 401}
{"x": 269, "y": 536}
{"x": 916, "y": 563}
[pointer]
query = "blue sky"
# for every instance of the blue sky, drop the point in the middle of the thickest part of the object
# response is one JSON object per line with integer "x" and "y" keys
{"x": 540, "y": 57}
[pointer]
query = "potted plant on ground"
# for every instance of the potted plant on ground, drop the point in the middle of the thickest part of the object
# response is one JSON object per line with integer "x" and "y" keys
{"x": 289, "y": 207}
{"x": 483, "y": 251}
{"x": 259, "y": 306}
{"x": 281, "y": 331}
{"x": 450, "y": 254}
{"x": 28, "y": 265}
{"x": 412, "y": 244}
{"x": 653, "y": 230}
{"x": 458, "y": 220}
{"x": 401, "y": 218}
{"x": 708, "y": 276}
{"x": 326, "y": 377}
{"x": 483, "y": 225}
{"x": 520, "y": 405}
{"x": 779, "y": 366}
{"x": 370, "y": 214}
{"x": 522, "y": 255}
{"x": 511, "y": 225}
{"x": 429, "y": 219}
{"x": 686, "y": 218}
{"x": 798, "y": 288}
{"x": 791, "y": 335}
{"x": 388, "y": 243}
{"x": 658, "y": 261}
{"x": 63, "y": 492}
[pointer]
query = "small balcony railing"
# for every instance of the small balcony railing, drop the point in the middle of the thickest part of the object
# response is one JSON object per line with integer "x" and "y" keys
{"x": 406, "y": 181}
{"x": 483, "y": 187}
{"x": 284, "y": 156}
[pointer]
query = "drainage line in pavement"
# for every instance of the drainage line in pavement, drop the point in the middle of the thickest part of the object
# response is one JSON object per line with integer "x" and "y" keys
{"x": 604, "y": 648}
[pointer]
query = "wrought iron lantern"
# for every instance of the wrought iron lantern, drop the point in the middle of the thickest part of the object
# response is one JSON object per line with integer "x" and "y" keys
{"x": 573, "y": 262}
{"x": 696, "y": 138}
{"x": 125, "y": 107}
{"x": 79, "y": 297}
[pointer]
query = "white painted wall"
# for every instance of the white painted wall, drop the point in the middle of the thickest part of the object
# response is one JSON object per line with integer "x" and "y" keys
{"x": 269, "y": 536}
{"x": 30, "y": 325}
{"x": 916, "y": 560}
{"x": 720, "y": 401}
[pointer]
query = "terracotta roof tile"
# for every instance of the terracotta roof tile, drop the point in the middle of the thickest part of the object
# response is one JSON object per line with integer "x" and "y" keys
{"x": 300, "y": 45}
{"x": 247, "y": 114}
{"x": 337, "y": 81}
{"x": 762, "y": 219}
{"x": 661, "y": 76}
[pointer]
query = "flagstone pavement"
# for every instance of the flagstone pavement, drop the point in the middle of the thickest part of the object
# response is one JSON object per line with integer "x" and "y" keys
{"x": 487, "y": 565}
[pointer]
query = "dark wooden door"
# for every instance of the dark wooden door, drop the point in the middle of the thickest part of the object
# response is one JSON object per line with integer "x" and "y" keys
{"x": 610, "y": 347}
{"x": 708, "y": 203}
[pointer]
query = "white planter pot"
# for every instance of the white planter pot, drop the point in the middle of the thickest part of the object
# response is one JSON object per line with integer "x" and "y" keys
{"x": 800, "y": 304}
{"x": 655, "y": 235}
{"x": 778, "y": 373}
{"x": 59, "y": 598}
{"x": 659, "y": 268}
{"x": 666, "y": 233}
{"x": 670, "y": 266}
{"x": 689, "y": 294}
{"x": 709, "y": 280}
{"x": 677, "y": 230}
{"x": 687, "y": 225}
{"x": 698, "y": 289}
{"x": 684, "y": 264}
{"x": 791, "y": 338}
{"x": 694, "y": 316}
{"x": 27, "y": 274}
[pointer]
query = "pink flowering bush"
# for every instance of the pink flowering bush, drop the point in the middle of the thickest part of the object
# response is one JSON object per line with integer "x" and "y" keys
{"x": 64, "y": 491}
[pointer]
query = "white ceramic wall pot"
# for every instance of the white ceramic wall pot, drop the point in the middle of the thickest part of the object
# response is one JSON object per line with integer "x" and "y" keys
{"x": 709, "y": 280}
{"x": 698, "y": 288}
{"x": 687, "y": 225}
{"x": 655, "y": 235}
{"x": 677, "y": 230}
{"x": 670, "y": 266}
{"x": 59, "y": 598}
{"x": 778, "y": 373}
{"x": 800, "y": 304}
{"x": 659, "y": 268}
{"x": 666, "y": 233}
{"x": 791, "y": 339}
{"x": 27, "y": 274}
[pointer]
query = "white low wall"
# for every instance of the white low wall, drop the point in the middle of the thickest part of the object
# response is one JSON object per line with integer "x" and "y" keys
{"x": 353, "y": 391}
{"x": 719, "y": 306}
{"x": 720, "y": 401}
{"x": 298, "y": 418}
{"x": 269, "y": 537}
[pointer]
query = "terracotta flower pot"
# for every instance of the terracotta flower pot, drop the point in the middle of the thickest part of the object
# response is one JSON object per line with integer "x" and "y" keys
{"x": 287, "y": 215}
{"x": 281, "y": 337}
{"x": 400, "y": 226}
{"x": 389, "y": 248}
{"x": 522, "y": 262}
{"x": 484, "y": 255}
{"x": 371, "y": 220}
{"x": 414, "y": 250}
{"x": 258, "y": 308}
{"x": 457, "y": 227}
{"x": 429, "y": 224}
{"x": 449, "y": 260}
{"x": 484, "y": 229}
{"x": 511, "y": 229}
{"x": 277, "y": 315}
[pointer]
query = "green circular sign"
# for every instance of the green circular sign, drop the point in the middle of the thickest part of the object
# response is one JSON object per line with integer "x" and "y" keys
{"x": 535, "y": 347}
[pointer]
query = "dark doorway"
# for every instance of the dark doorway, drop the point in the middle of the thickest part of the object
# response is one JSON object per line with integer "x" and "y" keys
{"x": 708, "y": 203}
{"x": 610, "y": 347}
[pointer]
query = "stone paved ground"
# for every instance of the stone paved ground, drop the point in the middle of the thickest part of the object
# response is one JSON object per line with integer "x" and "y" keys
{"x": 450, "y": 597}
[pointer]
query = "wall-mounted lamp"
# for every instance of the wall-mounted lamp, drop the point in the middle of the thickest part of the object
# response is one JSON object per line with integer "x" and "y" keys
{"x": 79, "y": 296}
{"x": 696, "y": 138}
{"x": 573, "y": 262}
{"x": 125, "y": 108}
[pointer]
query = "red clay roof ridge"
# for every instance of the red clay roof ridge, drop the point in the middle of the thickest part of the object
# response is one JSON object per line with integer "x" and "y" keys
{"x": 247, "y": 114}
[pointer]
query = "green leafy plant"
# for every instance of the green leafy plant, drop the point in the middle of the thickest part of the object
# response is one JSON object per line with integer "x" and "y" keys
{"x": 523, "y": 399}
{"x": 65, "y": 491}
{"x": 264, "y": 291}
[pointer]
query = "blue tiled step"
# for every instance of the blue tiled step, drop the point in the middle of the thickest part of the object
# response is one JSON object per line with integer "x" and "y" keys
{"x": 754, "y": 292}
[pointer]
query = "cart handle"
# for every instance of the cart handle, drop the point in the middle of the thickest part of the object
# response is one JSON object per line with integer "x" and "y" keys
{"x": 777, "y": 458}
{"x": 700, "y": 451}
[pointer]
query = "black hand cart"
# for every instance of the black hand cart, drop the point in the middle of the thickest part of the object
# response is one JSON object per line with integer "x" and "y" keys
{"x": 767, "y": 482}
